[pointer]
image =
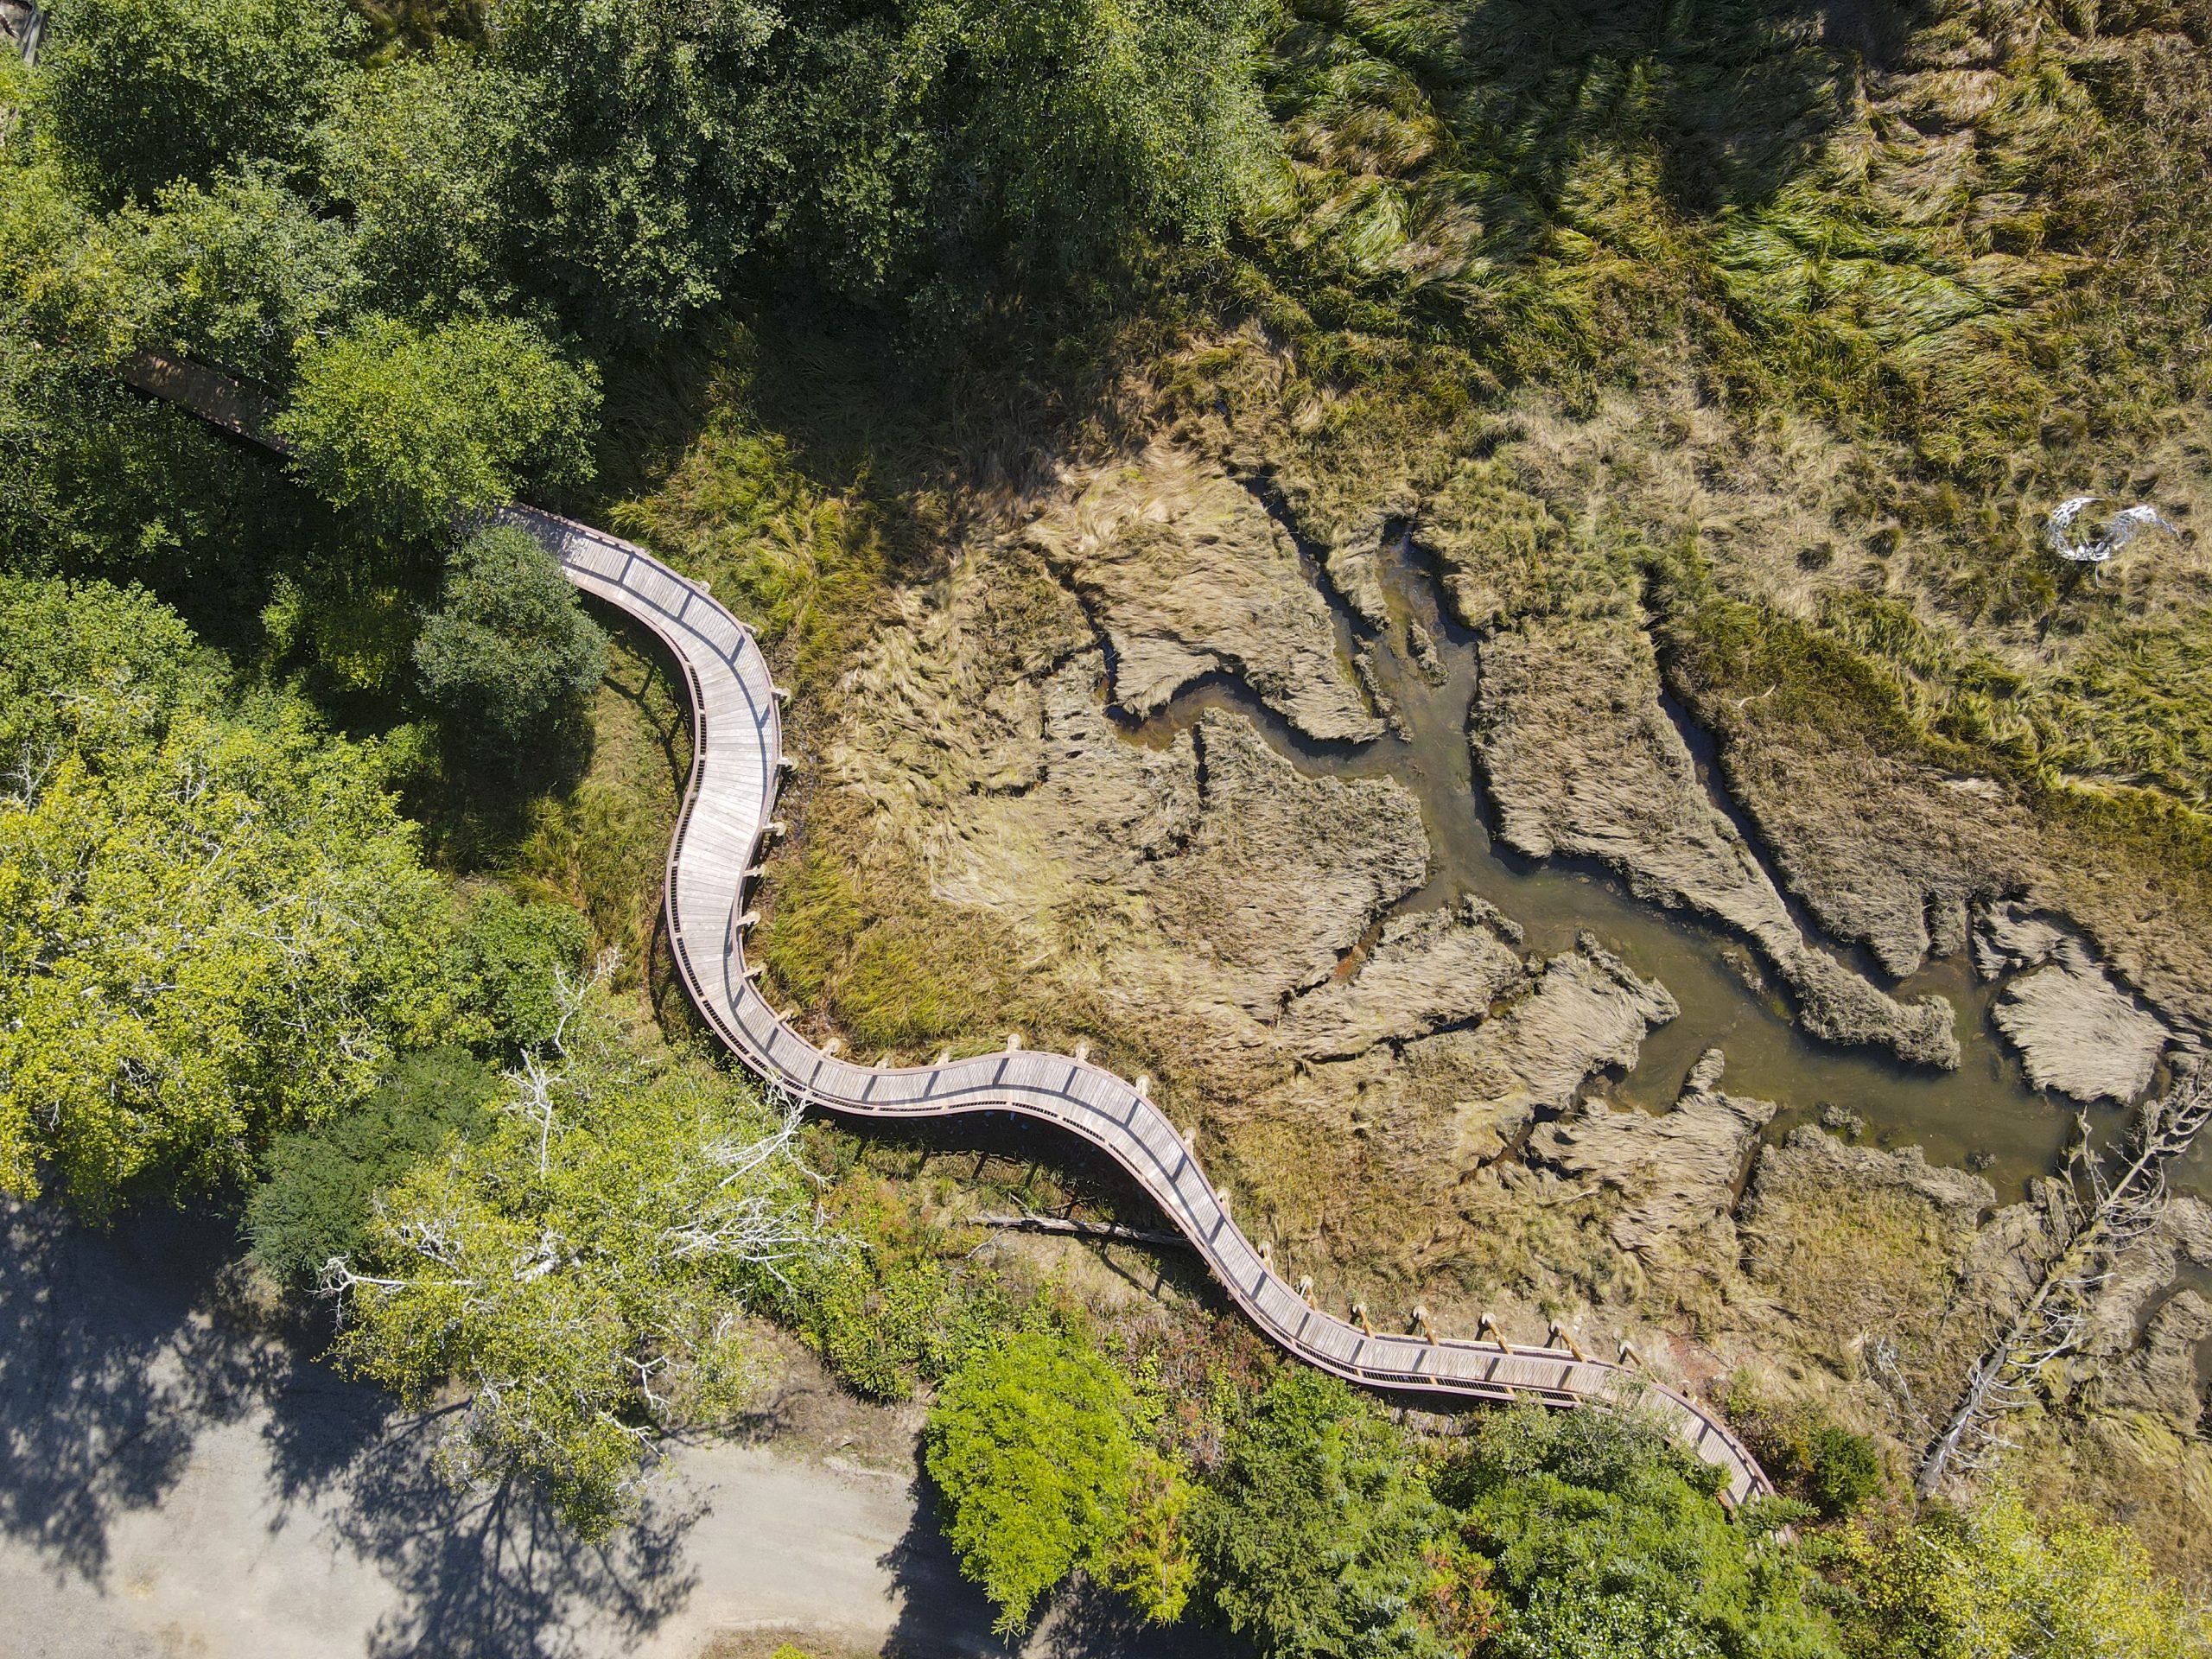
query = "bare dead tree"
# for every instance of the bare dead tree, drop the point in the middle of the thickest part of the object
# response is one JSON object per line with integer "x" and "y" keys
{"x": 2095, "y": 1214}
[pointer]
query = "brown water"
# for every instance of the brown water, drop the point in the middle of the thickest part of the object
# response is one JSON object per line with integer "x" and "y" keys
{"x": 1985, "y": 1110}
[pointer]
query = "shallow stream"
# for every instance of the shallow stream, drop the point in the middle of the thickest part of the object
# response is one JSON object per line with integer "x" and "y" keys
{"x": 1985, "y": 1113}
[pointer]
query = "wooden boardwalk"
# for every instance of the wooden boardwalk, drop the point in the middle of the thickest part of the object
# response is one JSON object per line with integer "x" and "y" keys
{"x": 721, "y": 830}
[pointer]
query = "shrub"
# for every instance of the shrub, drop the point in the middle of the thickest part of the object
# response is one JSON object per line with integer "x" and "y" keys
{"x": 510, "y": 649}
{"x": 314, "y": 1198}
{"x": 1030, "y": 1443}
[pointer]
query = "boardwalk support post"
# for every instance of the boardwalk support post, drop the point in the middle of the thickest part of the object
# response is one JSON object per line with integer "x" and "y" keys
{"x": 1268, "y": 1254}
{"x": 1359, "y": 1318}
{"x": 1143, "y": 1087}
{"x": 1306, "y": 1289}
{"x": 1560, "y": 1336}
{"x": 1487, "y": 1324}
{"x": 1421, "y": 1324}
{"x": 1082, "y": 1052}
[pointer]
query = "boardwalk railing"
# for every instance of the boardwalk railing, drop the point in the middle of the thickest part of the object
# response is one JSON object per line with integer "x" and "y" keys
{"x": 727, "y": 817}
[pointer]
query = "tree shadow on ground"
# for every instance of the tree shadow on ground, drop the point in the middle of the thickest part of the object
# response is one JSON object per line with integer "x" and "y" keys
{"x": 120, "y": 1350}
{"x": 111, "y": 1364}
{"x": 943, "y": 1616}
{"x": 483, "y": 1573}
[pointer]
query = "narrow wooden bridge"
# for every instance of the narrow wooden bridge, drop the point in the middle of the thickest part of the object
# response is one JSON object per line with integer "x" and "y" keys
{"x": 728, "y": 818}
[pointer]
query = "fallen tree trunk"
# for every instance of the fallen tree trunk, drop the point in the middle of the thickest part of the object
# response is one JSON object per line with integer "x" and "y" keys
{"x": 2097, "y": 1216}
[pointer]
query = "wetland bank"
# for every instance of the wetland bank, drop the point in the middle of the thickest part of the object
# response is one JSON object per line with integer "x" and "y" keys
{"x": 1443, "y": 928}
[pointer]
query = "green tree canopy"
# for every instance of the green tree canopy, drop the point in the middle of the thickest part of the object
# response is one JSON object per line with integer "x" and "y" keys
{"x": 418, "y": 428}
{"x": 236, "y": 272}
{"x": 319, "y": 1183}
{"x": 1996, "y": 1581}
{"x": 422, "y": 152}
{"x": 637, "y": 169}
{"x": 511, "y": 647}
{"x": 139, "y": 93}
{"x": 213, "y": 925}
{"x": 1030, "y": 1442}
{"x": 581, "y": 1266}
{"x": 1318, "y": 1538}
{"x": 1606, "y": 1541}
{"x": 977, "y": 139}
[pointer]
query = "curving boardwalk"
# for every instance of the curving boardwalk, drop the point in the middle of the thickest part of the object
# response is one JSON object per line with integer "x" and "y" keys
{"x": 726, "y": 820}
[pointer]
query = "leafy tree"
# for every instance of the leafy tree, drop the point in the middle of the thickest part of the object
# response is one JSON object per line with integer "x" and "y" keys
{"x": 139, "y": 93}
{"x": 1996, "y": 1582}
{"x": 1082, "y": 122}
{"x": 1605, "y": 1541}
{"x": 1150, "y": 1565}
{"x": 1317, "y": 1536}
{"x": 422, "y": 153}
{"x": 316, "y": 1196}
{"x": 92, "y": 476}
{"x": 417, "y": 428}
{"x": 89, "y": 665}
{"x": 508, "y": 960}
{"x": 1030, "y": 1442}
{"x": 213, "y": 925}
{"x": 1035, "y": 138}
{"x": 234, "y": 272}
{"x": 511, "y": 647}
{"x": 636, "y": 172}
{"x": 581, "y": 1266}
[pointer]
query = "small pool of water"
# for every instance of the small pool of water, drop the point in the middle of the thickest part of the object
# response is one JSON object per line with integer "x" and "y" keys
{"x": 1984, "y": 1114}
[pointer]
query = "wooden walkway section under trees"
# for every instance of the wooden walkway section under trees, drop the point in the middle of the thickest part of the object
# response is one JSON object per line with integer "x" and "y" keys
{"x": 726, "y": 823}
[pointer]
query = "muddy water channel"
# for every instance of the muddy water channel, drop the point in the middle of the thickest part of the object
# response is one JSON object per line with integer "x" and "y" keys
{"x": 1984, "y": 1115}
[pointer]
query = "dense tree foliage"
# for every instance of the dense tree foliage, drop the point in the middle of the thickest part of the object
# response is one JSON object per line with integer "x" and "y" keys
{"x": 319, "y": 1183}
{"x": 1030, "y": 1442}
{"x": 1604, "y": 1540}
{"x": 139, "y": 93}
{"x": 1317, "y": 1536}
{"x": 215, "y": 925}
{"x": 1996, "y": 1580}
{"x": 417, "y": 428}
{"x": 420, "y": 153}
{"x": 582, "y": 1265}
{"x": 958, "y": 138}
{"x": 510, "y": 648}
